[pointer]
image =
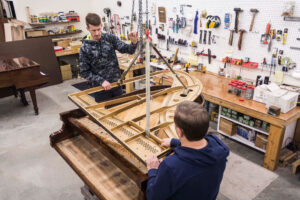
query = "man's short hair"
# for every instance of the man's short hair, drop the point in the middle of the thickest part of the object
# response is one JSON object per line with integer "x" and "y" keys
{"x": 93, "y": 19}
{"x": 192, "y": 119}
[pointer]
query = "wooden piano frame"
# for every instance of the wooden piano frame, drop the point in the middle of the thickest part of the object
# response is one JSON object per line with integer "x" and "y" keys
{"x": 97, "y": 161}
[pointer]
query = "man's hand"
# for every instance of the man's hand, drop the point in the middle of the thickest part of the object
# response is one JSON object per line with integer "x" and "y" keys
{"x": 106, "y": 85}
{"x": 152, "y": 162}
{"x": 166, "y": 142}
{"x": 133, "y": 36}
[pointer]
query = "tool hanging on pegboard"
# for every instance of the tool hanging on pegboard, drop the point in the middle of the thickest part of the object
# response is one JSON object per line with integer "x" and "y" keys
{"x": 108, "y": 15}
{"x": 284, "y": 36}
{"x": 213, "y": 21}
{"x": 265, "y": 38}
{"x": 227, "y": 20}
{"x": 236, "y": 24}
{"x": 254, "y": 12}
{"x": 116, "y": 24}
{"x": 196, "y": 24}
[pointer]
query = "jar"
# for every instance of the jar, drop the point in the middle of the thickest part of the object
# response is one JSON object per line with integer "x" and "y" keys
{"x": 253, "y": 88}
{"x": 243, "y": 92}
{"x": 239, "y": 91}
{"x": 257, "y": 123}
{"x": 249, "y": 92}
{"x": 230, "y": 88}
{"x": 234, "y": 86}
{"x": 264, "y": 125}
{"x": 251, "y": 123}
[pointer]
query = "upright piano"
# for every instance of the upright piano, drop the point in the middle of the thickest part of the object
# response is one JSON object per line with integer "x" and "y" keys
{"x": 22, "y": 74}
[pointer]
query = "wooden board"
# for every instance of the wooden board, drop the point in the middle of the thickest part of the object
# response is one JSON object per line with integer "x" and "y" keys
{"x": 125, "y": 117}
{"x": 92, "y": 165}
{"x": 88, "y": 124}
{"x": 297, "y": 134}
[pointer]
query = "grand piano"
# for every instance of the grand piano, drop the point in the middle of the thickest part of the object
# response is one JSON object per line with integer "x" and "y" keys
{"x": 22, "y": 74}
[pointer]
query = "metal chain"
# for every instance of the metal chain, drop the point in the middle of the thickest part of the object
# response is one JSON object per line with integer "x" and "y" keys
{"x": 147, "y": 19}
{"x": 132, "y": 15}
{"x": 140, "y": 26}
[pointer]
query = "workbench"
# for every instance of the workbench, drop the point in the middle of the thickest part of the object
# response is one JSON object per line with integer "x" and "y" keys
{"x": 215, "y": 90}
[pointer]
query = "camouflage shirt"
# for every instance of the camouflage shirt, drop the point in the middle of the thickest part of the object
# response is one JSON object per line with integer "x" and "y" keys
{"x": 98, "y": 60}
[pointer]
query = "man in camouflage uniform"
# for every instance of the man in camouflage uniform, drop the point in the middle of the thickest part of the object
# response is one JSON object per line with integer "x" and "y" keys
{"x": 98, "y": 61}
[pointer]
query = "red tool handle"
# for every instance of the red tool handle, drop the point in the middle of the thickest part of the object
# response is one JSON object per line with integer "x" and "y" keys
{"x": 268, "y": 28}
{"x": 205, "y": 54}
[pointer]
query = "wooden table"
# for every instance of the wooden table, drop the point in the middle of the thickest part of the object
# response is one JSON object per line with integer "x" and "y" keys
{"x": 215, "y": 90}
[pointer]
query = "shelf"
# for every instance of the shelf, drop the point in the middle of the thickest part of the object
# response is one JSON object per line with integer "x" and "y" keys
{"x": 56, "y": 35}
{"x": 250, "y": 65}
{"x": 242, "y": 140}
{"x": 250, "y": 127}
{"x": 49, "y": 23}
{"x": 67, "y": 52}
{"x": 293, "y": 19}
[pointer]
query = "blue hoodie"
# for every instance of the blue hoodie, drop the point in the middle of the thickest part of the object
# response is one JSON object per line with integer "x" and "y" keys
{"x": 192, "y": 174}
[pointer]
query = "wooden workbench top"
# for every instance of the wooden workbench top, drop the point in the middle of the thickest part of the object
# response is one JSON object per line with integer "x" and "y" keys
{"x": 215, "y": 90}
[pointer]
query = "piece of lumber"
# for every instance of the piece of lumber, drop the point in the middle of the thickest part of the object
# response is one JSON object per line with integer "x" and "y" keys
{"x": 297, "y": 134}
{"x": 28, "y": 14}
{"x": 295, "y": 166}
{"x": 284, "y": 153}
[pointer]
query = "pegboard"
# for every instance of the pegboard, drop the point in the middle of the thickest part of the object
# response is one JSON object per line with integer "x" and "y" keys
{"x": 269, "y": 11}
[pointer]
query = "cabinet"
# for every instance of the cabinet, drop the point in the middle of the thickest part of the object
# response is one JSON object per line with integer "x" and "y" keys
{"x": 258, "y": 137}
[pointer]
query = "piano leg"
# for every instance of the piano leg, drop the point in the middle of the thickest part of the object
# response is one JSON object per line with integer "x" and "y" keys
{"x": 15, "y": 91}
{"x": 33, "y": 98}
{"x": 23, "y": 97}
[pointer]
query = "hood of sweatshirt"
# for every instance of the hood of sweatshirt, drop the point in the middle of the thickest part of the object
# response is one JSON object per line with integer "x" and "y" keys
{"x": 215, "y": 151}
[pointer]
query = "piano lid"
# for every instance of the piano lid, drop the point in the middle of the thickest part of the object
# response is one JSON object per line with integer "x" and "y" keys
{"x": 9, "y": 64}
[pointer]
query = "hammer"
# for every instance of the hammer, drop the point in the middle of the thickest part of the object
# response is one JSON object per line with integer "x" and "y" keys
{"x": 231, "y": 37}
{"x": 204, "y": 38}
{"x": 240, "y": 38}
{"x": 237, "y": 11}
{"x": 254, "y": 12}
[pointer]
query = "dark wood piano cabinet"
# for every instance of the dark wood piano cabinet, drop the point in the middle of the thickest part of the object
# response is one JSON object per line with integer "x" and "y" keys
{"x": 22, "y": 74}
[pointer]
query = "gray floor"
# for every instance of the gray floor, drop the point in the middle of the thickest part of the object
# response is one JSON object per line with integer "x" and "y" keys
{"x": 31, "y": 169}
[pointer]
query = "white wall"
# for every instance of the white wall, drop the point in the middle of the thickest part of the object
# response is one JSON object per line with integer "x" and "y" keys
{"x": 270, "y": 10}
{"x": 40, "y": 6}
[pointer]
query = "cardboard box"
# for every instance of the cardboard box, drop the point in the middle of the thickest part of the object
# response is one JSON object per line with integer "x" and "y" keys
{"x": 246, "y": 133}
{"x": 75, "y": 44}
{"x": 64, "y": 43}
{"x": 66, "y": 72}
{"x": 227, "y": 127}
{"x": 286, "y": 101}
{"x": 36, "y": 33}
{"x": 261, "y": 140}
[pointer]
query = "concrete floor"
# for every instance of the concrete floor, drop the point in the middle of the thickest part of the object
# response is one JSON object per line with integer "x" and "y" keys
{"x": 31, "y": 169}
